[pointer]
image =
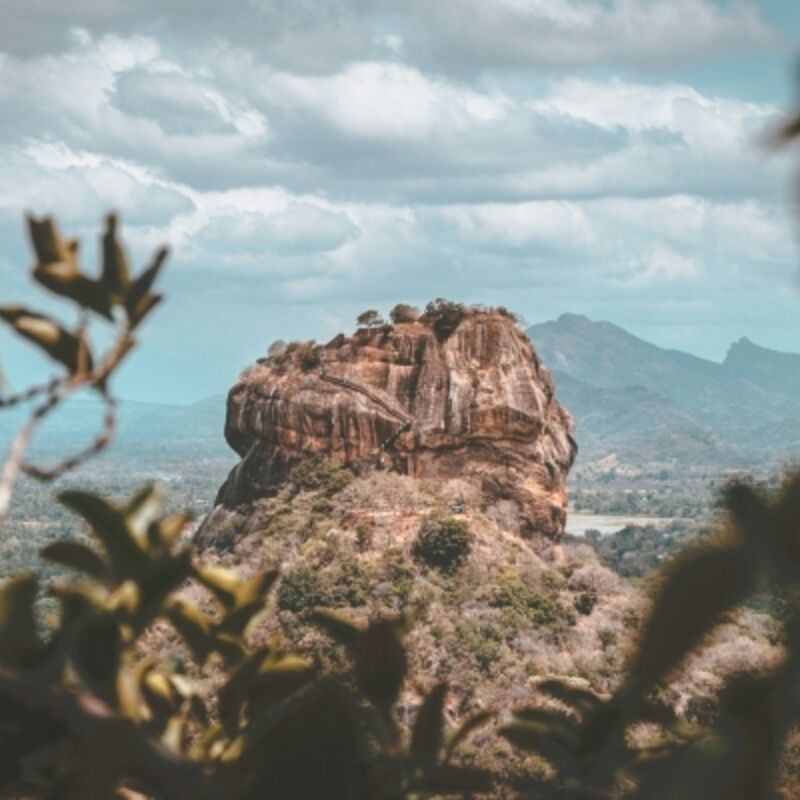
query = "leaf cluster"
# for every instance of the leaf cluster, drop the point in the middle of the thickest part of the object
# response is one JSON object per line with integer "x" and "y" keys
{"x": 444, "y": 545}
{"x": 86, "y": 714}
{"x": 444, "y": 315}
{"x": 113, "y": 295}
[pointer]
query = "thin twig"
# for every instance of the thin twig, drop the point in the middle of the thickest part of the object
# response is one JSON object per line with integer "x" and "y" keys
{"x": 28, "y": 394}
{"x": 16, "y": 454}
{"x": 100, "y": 442}
{"x": 58, "y": 390}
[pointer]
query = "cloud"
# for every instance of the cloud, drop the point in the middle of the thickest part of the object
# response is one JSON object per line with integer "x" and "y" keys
{"x": 108, "y": 95}
{"x": 80, "y": 187}
{"x": 462, "y": 36}
{"x": 466, "y": 35}
{"x": 658, "y": 266}
{"x": 182, "y": 106}
{"x": 706, "y": 124}
{"x": 380, "y": 129}
{"x": 305, "y": 160}
{"x": 522, "y": 227}
{"x": 386, "y": 101}
{"x": 300, "y": 229}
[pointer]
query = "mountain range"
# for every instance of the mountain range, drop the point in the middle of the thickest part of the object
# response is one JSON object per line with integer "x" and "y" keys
{"x": 647, "y": 403}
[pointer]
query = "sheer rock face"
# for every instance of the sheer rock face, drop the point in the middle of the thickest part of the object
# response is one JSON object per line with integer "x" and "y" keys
{"x": 477, "y": 405}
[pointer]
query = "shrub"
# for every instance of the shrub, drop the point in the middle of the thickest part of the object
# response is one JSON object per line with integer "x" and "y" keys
{"x": 350, "y": 583}
{"x": 400, "y": 575}
{"x": 363, "y": 537}
{"x": 301, "y": 590}
{"x": 585, "y": 603}
{"x": 310, "y": 355}
{"x": 277, "y": 348}
{"x": 403, "y": 312}
{"x": 522, "y": 603}
{"x": 482, "y": 640}
{"x": 342, "y": 584}
{"x": 444, "y": 315}
{"x": 444, "y": 545}
{"x": 369, "y": 319}
{"x": 504, "y": 312}
{"x": 320, "y": 474}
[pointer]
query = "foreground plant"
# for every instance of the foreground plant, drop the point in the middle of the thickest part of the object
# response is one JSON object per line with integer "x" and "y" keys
{"x": 114, "y": 296}
{"x": 86, "y": 712}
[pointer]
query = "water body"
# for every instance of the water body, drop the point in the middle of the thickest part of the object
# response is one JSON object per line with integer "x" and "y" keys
{"x": 578, "y": 524}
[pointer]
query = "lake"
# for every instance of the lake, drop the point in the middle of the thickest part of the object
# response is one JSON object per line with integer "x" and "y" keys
{"x": 578, "y": 524}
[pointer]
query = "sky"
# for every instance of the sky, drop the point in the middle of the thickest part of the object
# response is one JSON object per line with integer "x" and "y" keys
{"x": 307, "y": 160}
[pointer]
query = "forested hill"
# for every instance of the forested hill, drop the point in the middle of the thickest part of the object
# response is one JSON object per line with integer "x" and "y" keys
{"x": 632, "y": 397}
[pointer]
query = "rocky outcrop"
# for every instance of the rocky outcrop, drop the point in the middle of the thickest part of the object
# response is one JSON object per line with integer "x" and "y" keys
{"x": 476, "y": 405}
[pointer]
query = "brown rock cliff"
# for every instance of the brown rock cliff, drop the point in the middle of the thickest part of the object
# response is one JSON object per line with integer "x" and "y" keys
{"x": 476, "y": 405}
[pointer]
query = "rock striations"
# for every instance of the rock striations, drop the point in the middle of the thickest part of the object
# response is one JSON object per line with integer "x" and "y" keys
{"x": 474, "y": 405}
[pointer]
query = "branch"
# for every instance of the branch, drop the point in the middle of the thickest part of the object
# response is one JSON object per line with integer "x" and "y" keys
{"x": 100, "y": 442}
{"x": 22, "y": 440}
{"x": 29, "y": 394}
{"x": 58, "y": 390}
{"x": 89, "y": 719}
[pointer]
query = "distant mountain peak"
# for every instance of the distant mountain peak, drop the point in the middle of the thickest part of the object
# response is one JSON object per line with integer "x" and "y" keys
{"x": 569, "y": 317}
{"x": 754, "y": 385}
{"x": 742, "y": 343}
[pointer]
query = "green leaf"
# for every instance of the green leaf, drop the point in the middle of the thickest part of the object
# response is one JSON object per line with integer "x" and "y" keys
{"x": 57, "y": 268}
{"x": 581, "y": 700}
{"x": 129, "y": 688}
{"x": 108, "y": 524}
{"x": 544, "y": 738}
{"x": 276, "y": 680}
{"x": 310, "y": 750}
{"x": 193, "y": 626}
{"x": 168, "y": 530}
{"x": 231, "y": 590}
{"x": 143, "y": 509}
{"x": 139, "y": 301}
{"x": 78, "y": 557}
{"x": 470, "y": 724}
{"x": 164, "y": 575}
{"x": 50, "y": 248}
{"x": 160, "y": 695}
{"x": 18, "y": 639}
{"x": 143, "y": 308}
{"x": 380, "y": 662}
{"x": 770, "y": 527}
{"x": 554, "y": 723}
{"x": 98, "y": 652}
{"x": 337, "y": 625}
{"x": 78, "y": 600}
{"x": 236, "y": 621}
{"x": 256, "y": 589}
{"x": 230, "y": 648}
{"x": 223, "y": 583}
{"x": 67, "y": 348}
{"x": 427, "y": 736}
{"x": 232, "y": 696}
{"x": 697, "y": 590}
{"x": 116, "y": 273}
